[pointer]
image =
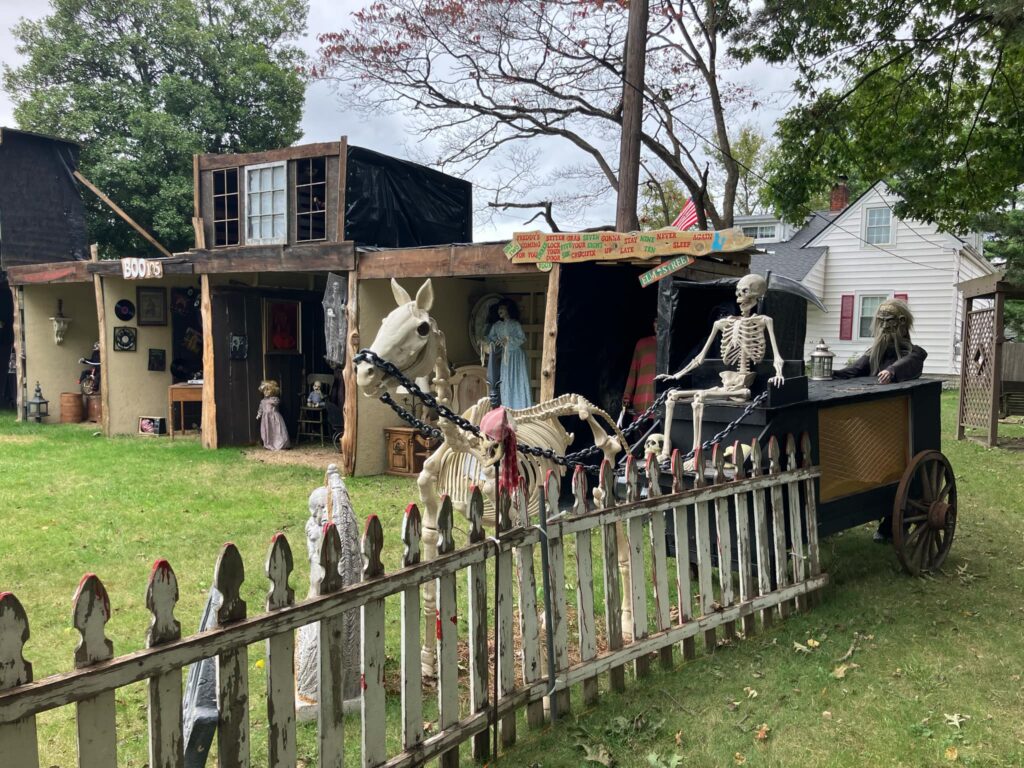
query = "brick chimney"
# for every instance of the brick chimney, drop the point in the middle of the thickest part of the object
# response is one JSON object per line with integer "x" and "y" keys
{"x": 840, "y": 196}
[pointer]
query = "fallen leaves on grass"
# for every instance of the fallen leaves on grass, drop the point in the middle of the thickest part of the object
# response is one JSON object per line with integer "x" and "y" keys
{"x": 812, "y": 643}
{"x": 952, "y": 754}
{"x": 751, "y": 693}
{"x": 739, "y": 758}
{"x": 679, "y": 739}
{"x": 826, "y": 715}
{"x": 956, "y": 720}
{"x": 800, "y": 647}
{"x": 599, "y": 755}
{"x": 762, "y": 733}
{"x": 840, "y": 672}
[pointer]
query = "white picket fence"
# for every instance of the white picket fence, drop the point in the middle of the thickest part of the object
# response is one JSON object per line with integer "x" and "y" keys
{"x": 748, "y": 513}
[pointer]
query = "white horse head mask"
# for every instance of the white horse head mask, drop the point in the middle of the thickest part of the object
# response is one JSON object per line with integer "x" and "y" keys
{"x": 408, "y": 337}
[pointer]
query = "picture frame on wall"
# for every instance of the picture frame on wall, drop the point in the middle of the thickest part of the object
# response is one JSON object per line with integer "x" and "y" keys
{"x": 151, "y": 304}
{"x": 152, "y": 426}
{"x": 238, "y": 346}
{"x": 158, "y": 359}
{"x": 125, "y": 338}
{"x": 282, "y": 327}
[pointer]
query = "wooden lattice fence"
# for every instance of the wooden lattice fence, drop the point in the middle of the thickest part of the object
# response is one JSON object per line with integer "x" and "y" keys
{"x": 764, "y": 524}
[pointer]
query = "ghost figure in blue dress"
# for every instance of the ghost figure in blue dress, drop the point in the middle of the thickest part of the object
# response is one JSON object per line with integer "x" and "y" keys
{"x": 506, "y": 339}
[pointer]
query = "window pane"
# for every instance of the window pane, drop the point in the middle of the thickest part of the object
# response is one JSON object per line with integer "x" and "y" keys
{"x": 318, "y": 171}
{"x": 878, "y": 235}
{"x": 254, "y": 181}
{"x": 232, "y": 206}
{"x": 279, "y": 230}
{"x": 219, "y": 208}
{"x": 279, "y": 202}
{"x": 266, "y": 227}
{"x": 302, "y": 171}
{"x": 318, "y": 226}
{"x": 877, "y": 216}
{"x": 278, "y": 172}
{"x": 302, "y": 227}
{"x": 232, "y": 180}
{"x": 232, "y": 233}
{"x": 868, "y": 306}
{"x": 253, "y": 232}
{"x": 218, "y": 182}
{"x": 220, "y": 233}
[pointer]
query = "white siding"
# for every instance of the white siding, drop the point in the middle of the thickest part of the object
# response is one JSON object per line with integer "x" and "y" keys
{"x": 921, "y": 261}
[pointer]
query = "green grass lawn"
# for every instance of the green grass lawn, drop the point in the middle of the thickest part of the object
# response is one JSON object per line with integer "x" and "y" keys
{"x": 934, "y": 678}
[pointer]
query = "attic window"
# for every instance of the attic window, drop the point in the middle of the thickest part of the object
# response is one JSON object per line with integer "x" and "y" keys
{"x": 225, "y": 207}
{"x": 311, "y": 199}
{"x": 265, "y": 204}
{"x": 760, "y": 231}
{"x": 878, "y": 226}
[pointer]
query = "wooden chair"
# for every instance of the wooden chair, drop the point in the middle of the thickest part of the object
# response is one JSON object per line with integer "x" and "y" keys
{"x": 469, "y": 384}
{"x": 313, "y": 419}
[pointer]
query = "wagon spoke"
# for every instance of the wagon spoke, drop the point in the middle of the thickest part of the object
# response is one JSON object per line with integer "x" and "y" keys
{"x": 922, "y": 546}
{"x": 926, "y": 488}
{"x": 944, "y": 492}
{"x": 914, "y": 519}
{"x": 918, "y": 505}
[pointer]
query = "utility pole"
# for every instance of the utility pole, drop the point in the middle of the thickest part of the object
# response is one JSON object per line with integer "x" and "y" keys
{"x": 635, "y": 56}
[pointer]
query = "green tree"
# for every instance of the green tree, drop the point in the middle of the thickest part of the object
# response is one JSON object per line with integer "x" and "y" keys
{"x": 925, "y": 94}
{"x": 145, "y": 84}
{"x": 1005, "y": 248}
{"x": 750, "y": 150}
{"x": 660, "y": 202}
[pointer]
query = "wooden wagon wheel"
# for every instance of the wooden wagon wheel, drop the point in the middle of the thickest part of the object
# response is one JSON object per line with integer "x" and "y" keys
{"x": 924, "y": 513}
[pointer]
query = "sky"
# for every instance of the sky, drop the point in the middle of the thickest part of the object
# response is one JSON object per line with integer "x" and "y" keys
{"x": 325, "y": 118}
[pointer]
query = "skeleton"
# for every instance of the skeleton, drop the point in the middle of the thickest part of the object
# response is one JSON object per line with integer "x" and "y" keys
{"x": 743, "y": 347}
{"x": 410, "y": 338}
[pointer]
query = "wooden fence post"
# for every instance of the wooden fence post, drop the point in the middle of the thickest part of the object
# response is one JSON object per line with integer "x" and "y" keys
{"x": 636, "y": 604}
{"x": 281, "y": 749}
{"x": 779, "y": 526}
{"x": 723, "y": 532}
{"x": 681, "y": 529}
{"x": 764, "y": 558}
{"x": 97, "y": 722}
{"x": 166, "y": 744}
{"x": 744, "y": 555}
{"x": 585, "y": 615}
{"x": 330, "y": 685}
{"x": 412, "y": 680}
{"x": 374, "y": 715}
{"x": 556, "y": 567}
{"x": 702, "y": 534}
{"x": 447, "y": 635}
{"x": 811, "y": 519}
{"x": 18, "y": 738}
{"x": 505, "y": 631}
{"x": 659, "y": 560}
{"x": 477, "y": 593}
{"x": 605, "y": 497}
{"x": 796, "y": 527}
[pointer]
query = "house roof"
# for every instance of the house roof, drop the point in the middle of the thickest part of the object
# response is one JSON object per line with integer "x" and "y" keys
{"x": 793, "y": 258}
{"x": 17, "y": 131}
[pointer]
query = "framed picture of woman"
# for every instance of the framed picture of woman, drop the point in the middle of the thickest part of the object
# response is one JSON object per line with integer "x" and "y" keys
{"x": 152, "y": 305}
{"x": 282, "y": 327}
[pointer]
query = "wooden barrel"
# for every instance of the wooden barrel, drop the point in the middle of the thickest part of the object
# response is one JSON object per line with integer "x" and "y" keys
{"x": 71, "y": 409}
{"x": 94, "y": 408}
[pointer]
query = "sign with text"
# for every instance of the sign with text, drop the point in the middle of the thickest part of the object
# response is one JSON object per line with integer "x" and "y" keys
{"x": 141, "y": 269}
{"x": 666, "y": 269}
{"x": 543, "y": 248}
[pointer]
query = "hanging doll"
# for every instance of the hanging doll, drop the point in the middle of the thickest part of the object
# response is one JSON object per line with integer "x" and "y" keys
{"x": 273, "y": 431}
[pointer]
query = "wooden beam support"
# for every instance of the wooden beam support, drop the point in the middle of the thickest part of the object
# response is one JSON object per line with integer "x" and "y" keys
{"x": 549, "y": 342}
{"x": 112, "y": 267}
{"x": 441, "y": 261}
{"x": 116, "y": 209}
{"x": 214, "y": 161}
{"x": 338, "y": 257}
{"x": 101, "y": 320}
{"x": 348, "y": 437}
{"x": 58, "y": 272}
{"x": 209, "y": 423}
{"x": 342, "y": 178}
{"x": 19, "y": 353}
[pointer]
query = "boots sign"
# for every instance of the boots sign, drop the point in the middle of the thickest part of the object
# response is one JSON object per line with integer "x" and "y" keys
{"x": 141, "y": 269}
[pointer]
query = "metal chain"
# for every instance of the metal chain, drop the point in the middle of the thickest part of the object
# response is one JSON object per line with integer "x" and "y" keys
{"x": 569, "y": 460}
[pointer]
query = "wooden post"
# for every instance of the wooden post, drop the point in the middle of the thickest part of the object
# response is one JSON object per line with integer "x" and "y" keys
{"x": 477, "y": 592}
{"x": 556, "y": 567}
{"x": 998, "y": 304}
{"x": 702, "y": 535}
{"x": 374, "y": 715}
{"x": 18, "y": 738}
{"x": 635, "y": 578}
{"x": 723, "y": 534}
{"x": 632, "y": 117}
{"x": 209, "y": 418}
{"x": 810, "y": 515}
{"x": 585, "y": 614}
{"x": 412, "y": 681}
{"x": 744, "y": 555}
{"x": 101, "y": 320}
{"x": 764, "y": 558}
{"x": 348, "y": 438}
{"x": 166, "y": 743}
{"x": 330, "y": 684}
{"x": 612, "y": 589}
{"x": 18, "y": 299}
{"x": 964, "y": 345}
{"x": 342, "y": 181}
{"x": 447, "y": 636}
{"x": 529, "y": 630}
{"x": 549, "y": 344}
{"x": 233, "y": 665}
{"x": 659, "y": 560}
{"x": 796, "y": 528}
{"x": 504, "y": 632}
{"x": 97, "y": 720}
{"x": 778, "y": 525}
{"x": 681, "y": 526}
{"x": 280, "y": 659}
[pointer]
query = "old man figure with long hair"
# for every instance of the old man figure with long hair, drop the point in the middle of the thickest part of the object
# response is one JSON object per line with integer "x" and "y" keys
{"x": 892, "y": 357}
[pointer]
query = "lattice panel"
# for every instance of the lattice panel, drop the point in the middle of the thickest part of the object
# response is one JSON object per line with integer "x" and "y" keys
{"x": 863, "y": 446}
{"x": 978, "y": 380}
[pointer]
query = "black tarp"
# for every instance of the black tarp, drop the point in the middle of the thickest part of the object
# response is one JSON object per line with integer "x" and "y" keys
{"x": 393, "y": 203}
{"x": 42, "y": 217}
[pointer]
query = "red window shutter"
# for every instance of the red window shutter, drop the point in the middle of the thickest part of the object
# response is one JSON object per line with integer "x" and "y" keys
{"x": 846, "y": 318}
{"x": 902, "y": 297}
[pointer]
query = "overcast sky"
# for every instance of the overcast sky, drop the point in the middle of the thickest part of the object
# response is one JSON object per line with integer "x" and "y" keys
{"x": 325, "y": 120}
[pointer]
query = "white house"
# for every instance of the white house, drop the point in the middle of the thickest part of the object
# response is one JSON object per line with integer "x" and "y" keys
{"x": 859, "y": 254}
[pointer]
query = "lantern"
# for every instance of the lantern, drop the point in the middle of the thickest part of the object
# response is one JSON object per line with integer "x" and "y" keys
{"x": 38, "y": 408}
{"x": 821, "y": 362}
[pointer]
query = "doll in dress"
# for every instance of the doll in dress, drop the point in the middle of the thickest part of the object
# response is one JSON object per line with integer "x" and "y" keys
{"x": 273, "y": 431}
{"x": 506, "y": 337}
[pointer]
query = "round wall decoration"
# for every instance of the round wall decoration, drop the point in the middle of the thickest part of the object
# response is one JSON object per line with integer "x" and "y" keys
{"x": 478, "y": 324}
{"x": 124, "y": 309}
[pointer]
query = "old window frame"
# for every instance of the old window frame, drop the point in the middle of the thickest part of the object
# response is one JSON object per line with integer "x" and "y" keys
{"x": 273, "y": 239}
{"x": 224, "y": 224}
{"x": 311, "y": 186}
{"x": 870, "y": 228}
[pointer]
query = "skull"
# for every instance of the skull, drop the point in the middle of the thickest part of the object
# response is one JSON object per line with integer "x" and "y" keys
{"x": 493, "y": 452}
{"x": 654, "y": 444}
{"x": 749, "y": 290}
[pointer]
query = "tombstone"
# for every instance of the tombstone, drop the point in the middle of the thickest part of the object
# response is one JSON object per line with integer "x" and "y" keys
{"x": 199, "y": 708}
{"x": 330, "y": 501}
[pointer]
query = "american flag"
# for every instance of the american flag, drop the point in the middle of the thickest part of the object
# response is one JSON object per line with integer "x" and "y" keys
{"x": 687, "y": 217}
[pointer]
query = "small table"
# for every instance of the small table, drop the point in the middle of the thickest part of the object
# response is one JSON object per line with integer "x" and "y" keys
{"x": 312, "y": 422}
{"x": 406, "y": 450}
{"x": 181, "y": 394}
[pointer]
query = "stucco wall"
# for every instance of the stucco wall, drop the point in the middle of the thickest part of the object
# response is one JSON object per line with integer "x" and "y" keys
{"x": 134, "y": 390}
{"x": 56, "y": 368}
{"x": 452, "y": 303}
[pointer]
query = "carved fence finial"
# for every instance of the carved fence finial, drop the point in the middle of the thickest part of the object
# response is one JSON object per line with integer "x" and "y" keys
{"x": 698, "y": 467}
{"x": 755, "y": 457}
{"x": 445, "y": 539}
{"x": 14, "y": 633}
{"x": 228, "y": 575}
{"x": 161, "y": 597}
{"x": 604, "y": 492}
{"x": 475, "y": 512}
{"x": 579, "y": 490}
{"x": 678, "y": 482}
{"x": 373, "y": 545}
{"x": 329, "y": 557}
{"x": 737, "y": 458}
{"x": 550, "y": 491}
{"x": 521, "y": 504}
{"x": 502, "y": 511}
{"x": 279, "y": 567}
{"x": 773, "y": 456}
{"x": 632, "y": 481}
{"x": 412, "y": 532}
{"x": 805, "y": 451}
{"x": 790, "y": 451}
{"x": 718, "y": 460}
{"x": 653, "y": 475}
{"x": 90, "y": 615}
